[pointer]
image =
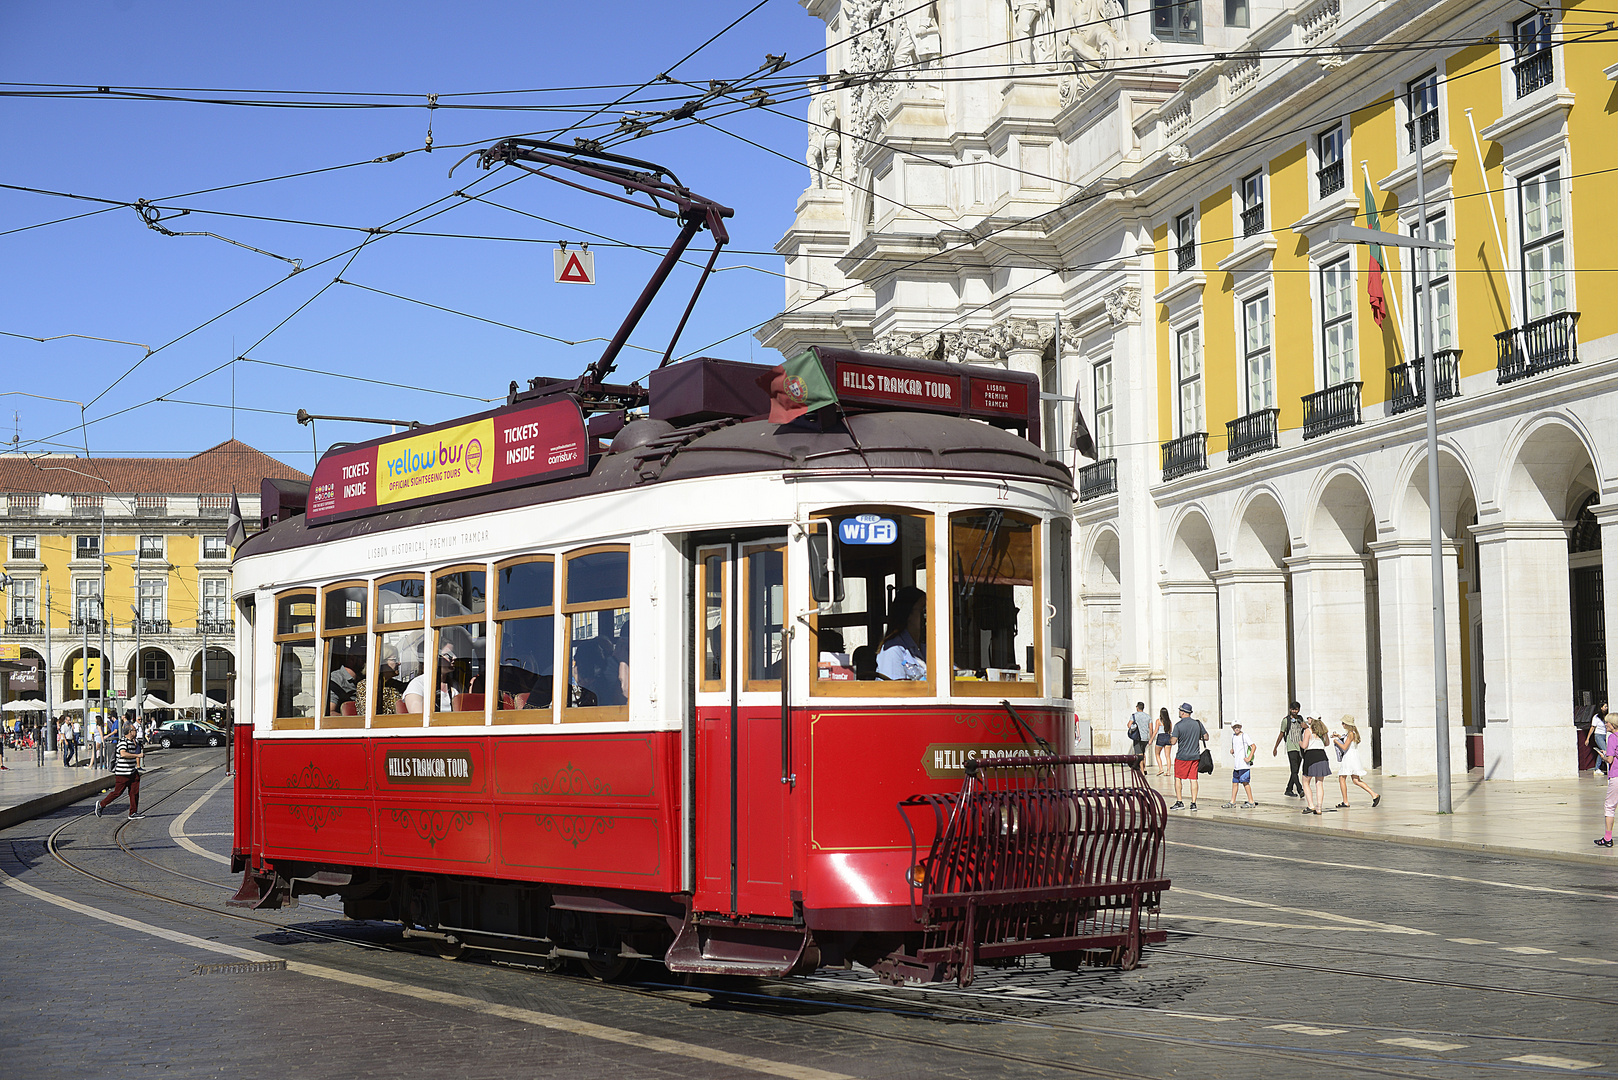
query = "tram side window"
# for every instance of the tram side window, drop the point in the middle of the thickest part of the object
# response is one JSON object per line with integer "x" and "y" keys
{"x": 994, "y": 572}
{"x": 343, "y": 640}
{"x": 711, "y": 630}
{"x": 297, "y": 701}
{"x": 400, "y": 621}
{"x": 461, "y": 644}
{"x": 878, "y": 632}
{"x": 765, "y": 635}
{"x": 596, "y": 606}
{"x": 525, "y": 619}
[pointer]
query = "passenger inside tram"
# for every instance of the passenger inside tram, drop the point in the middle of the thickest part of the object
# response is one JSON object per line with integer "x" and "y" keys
{"x": 902, "y": 655}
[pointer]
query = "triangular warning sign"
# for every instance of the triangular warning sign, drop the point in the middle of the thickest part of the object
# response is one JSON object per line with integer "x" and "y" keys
{"x": 575, "y": 267}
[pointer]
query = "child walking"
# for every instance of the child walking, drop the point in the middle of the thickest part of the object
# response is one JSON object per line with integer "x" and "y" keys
{"x": 1349, "y": 765}
{"x": 1241, "y": 767}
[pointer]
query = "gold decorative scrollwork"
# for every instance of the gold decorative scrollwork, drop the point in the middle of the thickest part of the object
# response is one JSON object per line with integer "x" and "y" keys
{"x": 571, "y": 780}
{"x": 432, "y": 825}
{"x": 576, "y": 829}
{"x": 992, "y": 723}
{"x": 312, "y": 776}
{"x": 316, "y": 817}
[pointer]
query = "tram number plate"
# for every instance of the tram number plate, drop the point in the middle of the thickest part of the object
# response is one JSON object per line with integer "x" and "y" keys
{"x": 868, "y": 529}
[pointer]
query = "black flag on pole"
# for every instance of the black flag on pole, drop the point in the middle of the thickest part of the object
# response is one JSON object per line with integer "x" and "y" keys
{"x": 235, "y": 531}
{"x": 1082, "y": 441}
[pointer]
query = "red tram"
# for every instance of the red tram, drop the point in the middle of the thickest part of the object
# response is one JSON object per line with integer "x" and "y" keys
{"x": 674, "y": 682}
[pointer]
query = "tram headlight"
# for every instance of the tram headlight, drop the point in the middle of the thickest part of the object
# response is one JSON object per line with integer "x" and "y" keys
{"x": 917, "y": 876}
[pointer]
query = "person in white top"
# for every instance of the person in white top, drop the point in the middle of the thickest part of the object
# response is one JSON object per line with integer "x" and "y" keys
{"x": 1349, "y": 765}
{"x": 1241, "y": 767}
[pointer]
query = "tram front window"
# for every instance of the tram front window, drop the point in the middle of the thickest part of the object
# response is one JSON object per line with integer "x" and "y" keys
{"x": 993, "y": 600}
{"x": 879, "y": 631}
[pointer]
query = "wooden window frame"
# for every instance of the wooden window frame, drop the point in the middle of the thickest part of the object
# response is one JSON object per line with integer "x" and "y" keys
{"x": 854, "y": 688}
{"x": 448, "y": 718}
{"x": 378, "y": 629}
{"x": 1036, "y": 687}
{"x": 706, "y": 685}
{"x": 751, "y": 685}
{"x": 593, "y": 714}
{"x": 296, "y": 723}
{"x": 327, "y": 635}
{"x": 547, "y": 715}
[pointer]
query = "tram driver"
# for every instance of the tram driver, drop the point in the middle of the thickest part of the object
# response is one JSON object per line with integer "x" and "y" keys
{"x": 902, "y": 656}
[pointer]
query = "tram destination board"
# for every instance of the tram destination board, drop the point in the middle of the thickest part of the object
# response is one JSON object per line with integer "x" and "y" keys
{"x": 1004, "y": 398}
{"x": 498, "y": 449}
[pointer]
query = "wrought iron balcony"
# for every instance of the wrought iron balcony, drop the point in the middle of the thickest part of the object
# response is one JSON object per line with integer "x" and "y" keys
{"x": 1186, "y": 256}
{"x": 155, "y": 626}
{"x": 1410, "y": 381}
{"x": 1098, "y": 479}
{"x": 1332, "y": 409}
{"x": 1253, "y": 220}
{"x": 85, "y": 626}
{"x": 1252, "y": 434}
{"x": 1542, "y": 345}
{"x": 1187, "y": 454}
{"x": 1534, "y": 72}
{"x": 1423, "y": 127}
{"x": 24, "y": 627}
{"x": 1331, "y": 179}
{"x": 217, "y": 627}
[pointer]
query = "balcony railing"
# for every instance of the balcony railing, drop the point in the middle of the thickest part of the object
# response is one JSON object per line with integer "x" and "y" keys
{"x": 1187, "y": 454}
{"x": 1331, "y": 409}
{"x": 1331, "y": 179}
{"x": 1410, "y": 381}
{"x": 216, "y": 627}
{"x": 1423, "y": 127}
{"x": 20, "y": 505}
{"x": 24, "y": 627}
{"x": 1252, "y": 434}
{"x": 1534, "y": 72}
{"x": 1253, "y": 220}
{"x": 156, "y": 626}
{"x": 1098, "y": 479}
{"x": 1186, "y": 256}
{"x": 85, "y": 626}
{"x": 1542, "y": 345}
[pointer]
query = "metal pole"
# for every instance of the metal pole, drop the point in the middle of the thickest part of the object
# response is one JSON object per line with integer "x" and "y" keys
{"x": 140, "y": 698}
{"x": 102, "y": 683}
{"x": 1435, "y": 511}
{"x": 49, "y": 734}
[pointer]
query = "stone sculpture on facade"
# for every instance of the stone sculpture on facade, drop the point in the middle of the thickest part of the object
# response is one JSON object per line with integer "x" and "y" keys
{"x": 825, "y": 141}
{"x": 1031, "y": 31}
{"x": 1099, "y": 33}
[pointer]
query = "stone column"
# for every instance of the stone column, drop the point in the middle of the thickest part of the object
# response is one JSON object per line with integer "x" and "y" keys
{"x": 1527, "y": 659}
{"x": 1607, "y": 518}
{"x": 1253, "y": 650}
{"x": 1191, "y": 637}
{"x": 1409, "y": 727}
{"x": 1100, "y": 729}
{"x": 1328, "y": 609}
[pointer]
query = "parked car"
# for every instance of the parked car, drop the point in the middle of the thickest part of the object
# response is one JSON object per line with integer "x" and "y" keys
{"x": 187, "y": 733}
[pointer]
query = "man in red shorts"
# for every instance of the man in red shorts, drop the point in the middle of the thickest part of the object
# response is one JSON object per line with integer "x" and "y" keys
{"x": 1187, "y": 739}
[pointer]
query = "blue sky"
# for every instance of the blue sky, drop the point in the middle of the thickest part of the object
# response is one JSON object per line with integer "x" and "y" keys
{"x": 109, "y": 276}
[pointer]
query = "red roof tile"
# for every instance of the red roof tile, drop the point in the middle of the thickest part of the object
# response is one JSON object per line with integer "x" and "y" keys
{"x": 219, "y": 470}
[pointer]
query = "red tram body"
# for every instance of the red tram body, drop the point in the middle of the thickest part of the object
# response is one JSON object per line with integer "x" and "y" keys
{"x": 715, "y": 780}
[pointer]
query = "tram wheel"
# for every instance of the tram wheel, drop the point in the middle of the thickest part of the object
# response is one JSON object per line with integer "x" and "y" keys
{"x": 449, "y": 950}
{"x": 608, "y": 969}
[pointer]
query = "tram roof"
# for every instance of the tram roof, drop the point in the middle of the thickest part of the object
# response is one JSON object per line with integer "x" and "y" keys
{"x": 650, "y": 451}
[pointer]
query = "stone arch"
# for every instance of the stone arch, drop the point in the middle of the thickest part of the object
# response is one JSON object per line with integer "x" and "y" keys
{"x": 1103, "y": 571}
{"x": 221, "y": 675}
{"x": 64, "y": 674}
{"x": 160, "y": 685}
{"x": 1550, "y": 467}
{"x": 1193, "y": 553}
{"x": 1261, "y": 537}
{"x": 1191, "y": 628}
{"x": 1342, "y": 519}
{"x": 1456, "y": 490}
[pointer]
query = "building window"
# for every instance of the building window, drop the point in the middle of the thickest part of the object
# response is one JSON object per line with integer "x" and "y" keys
{"x": 154, "y": 667}
{"x": 1422, "y": 98}
{"x": 151, "y": 547}
{"x": 1104, "y": 416}
{"x": 213, "y": 547}
{"x": 215, "y": 600}
{"x": 1439, "y": 269}
{"x": 1337, "y": 321}
{"x": 1236, "y": 12}
{"x": 1544, "y": 248}
{"x": 151, "y": 599}
{"x": 1260, "y": 357}
{"x": 24, "y": 598}
{"x": 24, "y": 547}
{"x": 1189, "y": 378}
{"x": 1253, "y": 204}
{"x": 1531, "y": 41}
{"x": 1177, "y": 20}
{"x": 86, "y": 599}
{"x": 87, "y": 547}
{"x": 1329, "y": 146}
{"x": 1185, "y": 240}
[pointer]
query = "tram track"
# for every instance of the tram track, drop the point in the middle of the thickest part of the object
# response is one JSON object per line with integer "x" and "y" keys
{"x": 785, "y": 996}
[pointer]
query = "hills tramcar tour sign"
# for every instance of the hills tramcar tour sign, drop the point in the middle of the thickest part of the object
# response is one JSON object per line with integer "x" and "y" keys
{"x": 498, "y": 449}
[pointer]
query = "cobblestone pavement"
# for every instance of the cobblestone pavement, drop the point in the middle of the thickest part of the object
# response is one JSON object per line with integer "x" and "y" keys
{"x": 1290, "y": 954}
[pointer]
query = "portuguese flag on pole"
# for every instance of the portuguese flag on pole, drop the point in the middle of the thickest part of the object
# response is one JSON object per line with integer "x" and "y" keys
{"x": 797, "y": 387}
{"x": 1373, "y": 282}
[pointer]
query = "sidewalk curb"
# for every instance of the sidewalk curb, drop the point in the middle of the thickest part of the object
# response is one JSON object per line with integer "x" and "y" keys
{"x": 1608, "y": 861}
{"x": 16, "y": 815}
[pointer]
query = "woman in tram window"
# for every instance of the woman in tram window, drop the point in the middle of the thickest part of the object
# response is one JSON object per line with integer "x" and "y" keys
{"x": 902, "y": 655}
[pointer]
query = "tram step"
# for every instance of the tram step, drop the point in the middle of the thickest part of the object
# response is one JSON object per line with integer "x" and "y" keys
{"x": 741, "y": 950}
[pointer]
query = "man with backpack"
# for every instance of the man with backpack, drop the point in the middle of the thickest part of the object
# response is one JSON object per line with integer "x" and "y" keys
{"x": 1139, "y": 729}
{"x": 1187, "y": 738}
{"x": 1291, "y": 732}
{"x": 126, "y": 772}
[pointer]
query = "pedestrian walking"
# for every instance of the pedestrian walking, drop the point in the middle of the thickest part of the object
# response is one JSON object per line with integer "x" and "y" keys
{"x": 1140, "y": 729}
{"x": 1596, "y": 737}
{"x": 1188, "y": 737}
{"x": 1292, "y": 725}
{"x": 1241, "y": 767}
{"x": 1165, "y": 737}
{"x": 65, "y": 738}
{"x": 39, "y": 740}
{"x": 1316, "y": 766}
{"x": 1349, "y": 765}
{"x": 98, "y": 757}
{"x": 126, "y": 773}
{"x": 1609, "y": 759}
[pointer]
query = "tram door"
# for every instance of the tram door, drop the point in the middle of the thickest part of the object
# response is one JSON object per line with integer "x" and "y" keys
{"x": 744, "y": 835}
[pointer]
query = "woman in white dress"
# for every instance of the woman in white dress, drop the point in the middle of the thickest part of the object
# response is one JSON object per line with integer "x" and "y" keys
{"x": 1349, "y": 765}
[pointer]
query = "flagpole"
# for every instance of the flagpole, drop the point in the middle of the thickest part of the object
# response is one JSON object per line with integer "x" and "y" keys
{"x": 1393, "y": 297}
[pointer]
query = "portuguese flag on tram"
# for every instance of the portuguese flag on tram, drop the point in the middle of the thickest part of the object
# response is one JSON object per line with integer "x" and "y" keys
{"x": 1373, "y": 279}
{"x": 797, "y": 387}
